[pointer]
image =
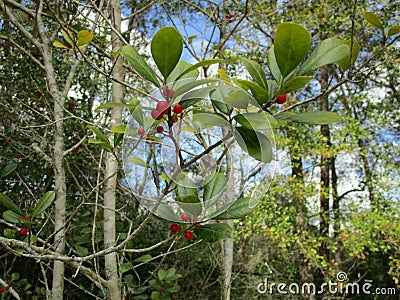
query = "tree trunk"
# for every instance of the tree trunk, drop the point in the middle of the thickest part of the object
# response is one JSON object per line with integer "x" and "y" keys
{"x": 111, "y": 172}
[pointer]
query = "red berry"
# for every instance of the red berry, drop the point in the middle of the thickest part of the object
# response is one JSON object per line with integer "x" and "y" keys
{"x": 194, "y": 219}
{"x": 24, "y": 231}
{"x": 188, "y": 235}
{"x": 26, "y": 218}
{"x": 156, "y": 115}
{"x": 174, "y": 119}
{"x": 102, "y": 233}
{"x": 37, "y": 94}
{"x": 17, "y": 156}
{"x": 42, "y": 105}
{"x": 185, "y": 217}
{"x": 7, "y": 287}
{"x": 140, "y": 131}
{"x": 8, "y": 142}
{"x": 162, "y": 107}
{"x": 1, "y": 290}
{"x": 8, "y": 281}
{"x": 174, "y": 227}
{"x": 178, "y": 109}
{"x": 160, "y": 129}
{"x": 71, "y": 105}
{"x": 281, "y": 99}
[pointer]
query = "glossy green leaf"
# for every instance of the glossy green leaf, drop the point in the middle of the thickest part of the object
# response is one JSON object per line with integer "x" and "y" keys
{"x": 214, "y": 187}
{"x": 99, "y": 134}
{"x": 9, "y": 233}
{"x": 195, "y": 67}
{"x": 100, "y": 143}
{"x": 294, "y": 84}
{"x": 238, "y": 99}
{"x": 239, "y": 208}
{"x": 201, "y": 119}
{"x": 175, "y": 77}
{"x": 82, "y": 251}
{"x": 59, "y": 45}
{"x": 374, "y": 20}
{"x": 256, "y": 121}
{"x": 12, "y": 217}
{"x": 118, "y": 137}
{"x": 46, "y": 200}
{"x": 119, "y": 129}
{"x": 256, "y": 144}
{"x": 190, "y": 204}
{"x": 291, "y": 44}
{"x": 345, "y": 63}
{"x": 273, "y": 65}
{"x": 9, "y": 204}
{"x": 395, "y": 29}
{"x": 256, "y": 72}
{"x": 192, "y": 84}
{"x": 259, "y": 93}
{"x": 327, "y": 52}
{"x": 166, "y": 49}
{"x": 194, "y": 96}
{"x": 213, "y": 232}
{"x": 8, "y": 169}
{"x": 161, "y": 274}
{"x": 84, "y": 37}
{"x": 139, "y": 64}
{"x": 316, "y": 117}
{"x": 166, "y": 212}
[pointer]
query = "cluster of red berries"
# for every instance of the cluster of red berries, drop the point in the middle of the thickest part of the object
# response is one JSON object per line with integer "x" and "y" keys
{"x": 230, "y": 18}
{"x": 24, "y": 231}
{"x": 281, "y": 99}
{"x": 8, "y": 281}
{"x": 185, "y": 217}
{"x": 163, "y": 109}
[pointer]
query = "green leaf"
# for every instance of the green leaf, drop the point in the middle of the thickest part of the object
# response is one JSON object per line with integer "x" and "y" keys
{"x": 238, "y": 99}
{"x": 213, "y": 232}
{"x": 273, "y": 65}
{"x": 12, "y": 217}
{"x": 395, "y": 29}
{"x": 294, "y": 84}
{"x": 214, "y": 188}
{"x": 194, "y": 67}
{"x": 84, "y": 37}
{"x": 256, "y": 72}
{"x": 43, "y": 203}
{"x": 7, "y": 170}
{"x": 161, "y": 274}
{"x": 237, "y": 209}
{"x": 82, "y": 251}
{"x": 316, "y": 117}
{"x": 119, "y": 129}
{"x": 256, "y": 121}
{"x": 9, "y": 204}
{"x": 118, "y": 137}
{"x": 59, "y": 45}
{"x": 174, "y": 289}
{"x": 68, "y": 36}
{"x": 201, "y": 118}
{"x": 123, "y": 268}
{"x": 166, "y": 49}
{"x": 374, "y": 20}
{"x": 99, "y": 134}
{"x": 166, "y": 212}
{"x": 15, "y": 276}
{"x": 9, "y": 233}
{"x": 345, "y": 63}
{"x": 114, "y": 105}
{"x": 139, "y": 64}
{"x": 194, "y": 96}
{"x": 256, "y": 144}
{"x": 138, "y": 161}
{"x": 190, "y": 204}
{"x": 291, "y": 44}
{"x": 192, "y": 84}
{"x": 259, "y": 93}
{"x": 106, "y": 146}
{"x": 327, "y": 52}
{"x": 143, "y": 258}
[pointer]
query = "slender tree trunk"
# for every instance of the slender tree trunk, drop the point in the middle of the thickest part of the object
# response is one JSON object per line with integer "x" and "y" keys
{"x": 111, "y": 172}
